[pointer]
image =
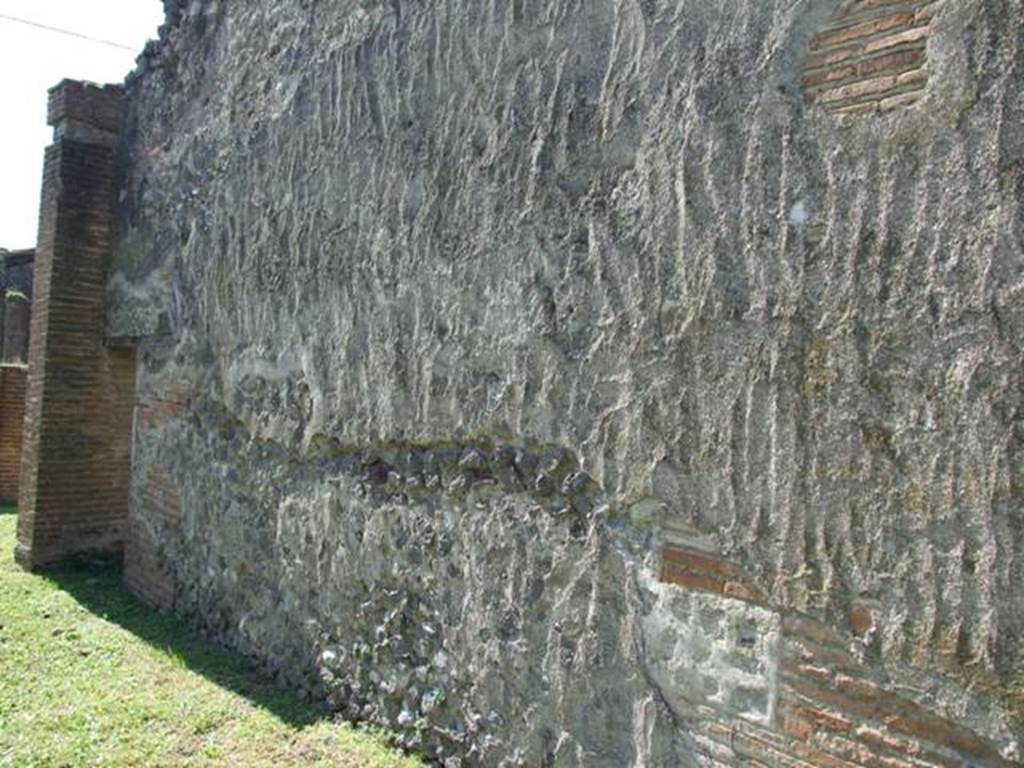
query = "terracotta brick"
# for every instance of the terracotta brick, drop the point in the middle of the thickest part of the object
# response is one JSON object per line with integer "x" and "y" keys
{"x": 837, "y": 708}
{"x": 892, "y": 62}
{"x": 858, "y": 31}
{"x": 698, "y": 562}
{"x": 820, "y": 718}
{"x": 886, "y": 752}
{"x": 859, "y": 89}
{"x": 674, "y": 574}
{"x": 829, "y": 58}
{"x": 859, "y": 686}
{"x": 902, "y": 100}
{"x": 867, "y": 108}
{"x": 797, "y": 727}
{"x": 915, "y": 77}
{"x": 820, "y": 695}
{"x": 869, "y": 5}
{"x": 918, "y": 722}
{"x": 913, "y": 35}
{"x": 787, "y": 754}
{"x": 161, "y": 499}
{"x": 873, "y": 736}
{"x": 824, "y": 76}
{"x": 819, "y": 674}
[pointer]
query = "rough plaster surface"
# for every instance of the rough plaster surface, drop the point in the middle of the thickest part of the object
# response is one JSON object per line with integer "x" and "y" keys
{"x": 369, "y": 229}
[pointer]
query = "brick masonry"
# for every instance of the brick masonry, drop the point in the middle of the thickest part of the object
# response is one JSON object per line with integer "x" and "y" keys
{"x": 870, "y": 57}
{"x": 158, "y": 505}
{"x": 73, "y": 494}
{"x": 15, "y": 328}
{"x": 15, "y": 298}
{"x": 12, "y": 418}
{"x": 827, "y": 708}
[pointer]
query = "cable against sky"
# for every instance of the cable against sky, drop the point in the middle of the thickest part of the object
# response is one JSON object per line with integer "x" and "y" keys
{"x": 68, "y": 32}
{"x": 42, "y": 42}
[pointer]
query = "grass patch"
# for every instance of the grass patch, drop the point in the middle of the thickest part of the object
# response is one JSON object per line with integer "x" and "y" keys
{"x": 91, "y": 677}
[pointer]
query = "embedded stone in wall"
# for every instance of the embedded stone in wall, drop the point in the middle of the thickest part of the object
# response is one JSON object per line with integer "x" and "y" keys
{"x": 871, "y": 56}
{"x": 707, "y": 650}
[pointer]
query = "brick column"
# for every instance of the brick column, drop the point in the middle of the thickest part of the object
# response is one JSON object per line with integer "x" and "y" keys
{"x": 73, "y": 494}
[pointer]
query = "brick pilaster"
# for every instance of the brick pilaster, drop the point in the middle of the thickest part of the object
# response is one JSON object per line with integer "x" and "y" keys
{"x": 73, "y": 494}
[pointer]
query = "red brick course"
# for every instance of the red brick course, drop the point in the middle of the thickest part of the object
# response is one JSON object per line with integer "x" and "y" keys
{"x": 158, "y": 505}
{"x": 12, "y": 422}
{"x": 870, "y": 57}
{"x": 144, "y": 572}
{"x": 165, "y": 402}
{"x": 831, "y": 711}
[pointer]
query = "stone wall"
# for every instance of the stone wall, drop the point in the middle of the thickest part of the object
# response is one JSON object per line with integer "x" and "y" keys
{"x": 566, "y": 383}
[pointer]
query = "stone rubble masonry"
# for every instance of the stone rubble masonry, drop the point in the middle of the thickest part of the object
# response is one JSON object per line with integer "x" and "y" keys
{"x": 871, "y": 56}
{"x": 457, "y": 254}
{"x": 73, "y": 494}
{"x": 830, "y": 712}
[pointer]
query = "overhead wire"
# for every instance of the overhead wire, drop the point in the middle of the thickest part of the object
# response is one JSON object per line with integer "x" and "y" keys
{"x": 68, "y": 32}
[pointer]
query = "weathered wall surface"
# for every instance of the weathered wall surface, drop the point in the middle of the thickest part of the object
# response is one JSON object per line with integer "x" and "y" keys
{"x": 15, "y": 308}
{"x": 402, "y": 270}
{"x": 12, "y": 420}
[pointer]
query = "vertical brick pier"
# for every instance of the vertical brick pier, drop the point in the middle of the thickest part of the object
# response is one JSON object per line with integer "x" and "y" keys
{"x": 73, "y": 494}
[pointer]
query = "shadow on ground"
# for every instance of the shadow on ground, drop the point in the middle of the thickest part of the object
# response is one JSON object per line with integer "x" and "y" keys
{"x": 98, "y": 587}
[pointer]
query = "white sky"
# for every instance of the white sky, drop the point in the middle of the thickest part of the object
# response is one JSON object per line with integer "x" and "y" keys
{"x": 31, "y": 61}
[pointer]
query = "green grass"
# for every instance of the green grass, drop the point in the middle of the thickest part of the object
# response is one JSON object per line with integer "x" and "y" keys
{"x": 91, "y": 677}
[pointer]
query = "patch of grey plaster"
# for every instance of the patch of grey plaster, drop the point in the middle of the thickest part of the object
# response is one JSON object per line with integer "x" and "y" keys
{"x": 138, "y": 307}
{"x": 703, "y": 649}
{"x": 798, "y": 214}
